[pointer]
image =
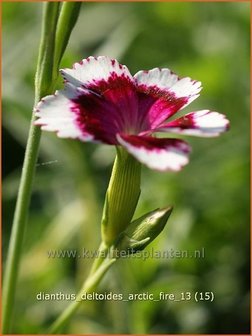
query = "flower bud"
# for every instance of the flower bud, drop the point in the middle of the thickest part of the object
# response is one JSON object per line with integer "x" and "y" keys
{"x": 143, "y": 230}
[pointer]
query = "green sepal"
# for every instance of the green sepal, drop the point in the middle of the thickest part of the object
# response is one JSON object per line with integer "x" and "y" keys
{"x": 122, "y": 196}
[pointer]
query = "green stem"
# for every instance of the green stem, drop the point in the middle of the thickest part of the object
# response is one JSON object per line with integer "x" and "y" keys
{"x": 44, "y": 68}
{"x": 102, "y": 251}
{"x": 89, "y": 286}
{"x": 43, "y": 85}
{"x": 19, "y": 222}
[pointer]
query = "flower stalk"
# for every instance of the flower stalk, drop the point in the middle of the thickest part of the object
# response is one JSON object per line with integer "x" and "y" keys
{"x": 89, "y": 285}
{"x": 44, "y": 84}
{"x": 136, "y": 237}
{"x": 120, "y": 204}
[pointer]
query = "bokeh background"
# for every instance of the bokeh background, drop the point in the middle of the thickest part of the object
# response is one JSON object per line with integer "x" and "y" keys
{"x": 206, "y": 41}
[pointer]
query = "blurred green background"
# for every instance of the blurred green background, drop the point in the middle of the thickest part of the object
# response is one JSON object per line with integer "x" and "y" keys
{"x": 206, "y": 41}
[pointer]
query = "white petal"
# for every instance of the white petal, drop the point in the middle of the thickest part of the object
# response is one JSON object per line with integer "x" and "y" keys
{"x": 158, "y": 154}
{"x": 202, "y": 123}
{"x": 186, "y": 87}
{"x": 163, "y": 78}
{"x": 166, "y": 81}
{"x": 208, "y": 119}
{"x": 92, "y": 70}
{"x": 55, "y": 114}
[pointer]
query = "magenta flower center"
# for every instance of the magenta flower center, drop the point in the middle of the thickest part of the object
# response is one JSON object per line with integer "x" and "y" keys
{"x": 118, "y": 106}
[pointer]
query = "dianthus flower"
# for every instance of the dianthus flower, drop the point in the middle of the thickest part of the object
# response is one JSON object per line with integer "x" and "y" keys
{"x": 102, "y": 102}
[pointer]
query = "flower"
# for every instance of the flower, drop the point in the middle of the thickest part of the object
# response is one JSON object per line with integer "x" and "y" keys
{"x": 102, "y": 102}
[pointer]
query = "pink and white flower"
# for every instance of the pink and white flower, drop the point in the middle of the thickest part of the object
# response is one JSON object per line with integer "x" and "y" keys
{"x": 102, "y": 102}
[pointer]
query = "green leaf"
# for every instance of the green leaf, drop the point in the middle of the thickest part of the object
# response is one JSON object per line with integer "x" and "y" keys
{"x": 43, "y": 78}
{"x": 68, "y": 16}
